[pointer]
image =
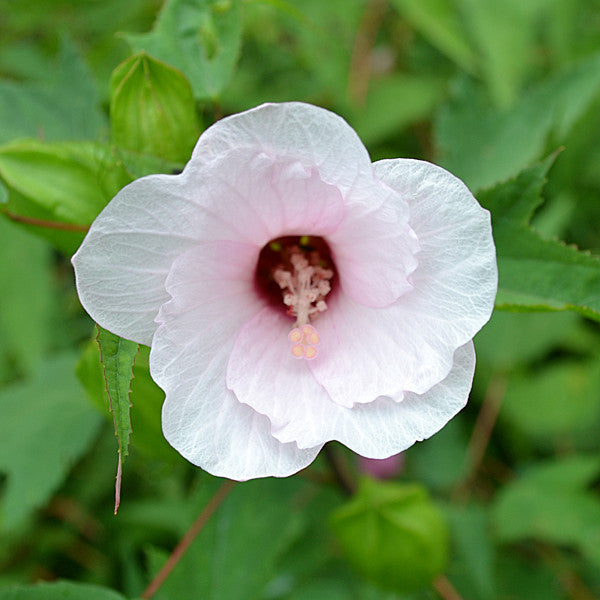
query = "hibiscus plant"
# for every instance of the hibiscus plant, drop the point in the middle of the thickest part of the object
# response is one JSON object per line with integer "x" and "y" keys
{"x": 261, "y": 243}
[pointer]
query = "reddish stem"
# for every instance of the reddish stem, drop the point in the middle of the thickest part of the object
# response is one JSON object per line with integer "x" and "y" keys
{"x": 445, "y": 589}
{"x": 118, "y": 483}
{"x": 362, "y": 54}
{"x": 46, "y": 224}
{"x": 187, "y": 539}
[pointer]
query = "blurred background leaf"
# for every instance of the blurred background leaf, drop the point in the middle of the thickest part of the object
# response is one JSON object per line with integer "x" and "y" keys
{"x": 47, "y": 426}
{"x": 534, "y": 273}
{"x": 61, "y": 103}
{"x": 63, "y": 590}
{"x": 200, "y": 37}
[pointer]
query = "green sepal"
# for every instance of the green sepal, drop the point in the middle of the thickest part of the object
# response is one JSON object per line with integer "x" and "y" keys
{"x": 152, "y": 109}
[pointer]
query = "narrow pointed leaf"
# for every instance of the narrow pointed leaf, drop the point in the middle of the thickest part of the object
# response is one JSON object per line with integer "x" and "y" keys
{"x": 118, "y": 356}
{"x": 484, "y": 146}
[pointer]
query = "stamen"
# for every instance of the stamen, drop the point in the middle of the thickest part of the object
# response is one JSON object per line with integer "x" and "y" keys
{"x": 304, "y": 281}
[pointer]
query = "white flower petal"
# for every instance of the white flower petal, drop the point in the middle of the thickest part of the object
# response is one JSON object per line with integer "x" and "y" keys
{"x": 291, "y": 130}
{"x": 385, "y": 427}
{"x": 210, "y": 428}
{"x": 264, "y": 375}
{"x": 300, "y": 410}
{"x": 374, "y": 248}
{"x": 370, "y": 352}
{"x": 252, "y": 197}
{"x": 123, "y": 262}
{"x": 417, "y": 278}
{"x": 409, "y": 345}
{"x": 201, "y": 418}
{"x": 457, "y": 277}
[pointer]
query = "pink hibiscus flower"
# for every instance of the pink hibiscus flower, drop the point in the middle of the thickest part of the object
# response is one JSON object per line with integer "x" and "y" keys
{"x": 292, "y": 292}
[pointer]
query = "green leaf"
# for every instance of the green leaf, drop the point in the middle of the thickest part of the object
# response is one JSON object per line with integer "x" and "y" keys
{"x": 503, "y": 36}
{"x": 152, "y": 109}
{"x": 550, "y": 503}
{"x": 537, "y": 274}
{"x": 118, "y": 356}
{"x": 438, "y": 21}
{"x": 483, "y": 146}
{"x": 67, "y": 183}
{"x": 63, "y": 105}
{"x": 27, "y": 298}
{"x": 394, "y": 103}
{"x": 199, "y": 37}
{"x": 393, "y": 534}
{"x": 46, "y": 425}
{"x": 473, "y": 548}
{"x": 441, "y": 462}
{"x": 146, "y": 400}
{"x": 235, "y": 556}
{"x": 570, "y": 474}
{"x": 511, "y": 340}
{"x": 519, "y": 578}
{"x": 59, "y": 590}
{"x": 71, "y": 180}
{"x": 561, "y": 399}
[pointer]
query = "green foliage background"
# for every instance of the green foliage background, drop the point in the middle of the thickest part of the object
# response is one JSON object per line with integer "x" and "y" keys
{"x": 504, "y": 94}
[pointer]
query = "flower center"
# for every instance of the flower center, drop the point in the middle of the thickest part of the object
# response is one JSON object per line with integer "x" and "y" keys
{"x": 296, "y": 273}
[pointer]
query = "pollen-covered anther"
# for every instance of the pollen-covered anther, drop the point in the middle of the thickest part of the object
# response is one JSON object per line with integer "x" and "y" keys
{"x": 304, "y": 340}
{"x": 304, "y": 282}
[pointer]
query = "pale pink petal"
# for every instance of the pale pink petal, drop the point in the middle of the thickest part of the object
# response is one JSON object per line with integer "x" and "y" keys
{"x": 385, "y": 427}
{"x": 263, "y": 374}
{"x": 369, "y": 352}
{"x": 374, "y": 248}
{"x": 291, "y": 131}
{"x": 456, "y": 280}
{"x": 408, "y": 346}
{"x": 211, "y": 298}
{"x": 122, "y": 264}
{"x": 374, "y": 274}
{"x": 300, "y": 410}
{"x": 255, "y": 198}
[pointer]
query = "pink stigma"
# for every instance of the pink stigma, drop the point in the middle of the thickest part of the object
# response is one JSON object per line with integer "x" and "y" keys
{"x": 304, "y": 340}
